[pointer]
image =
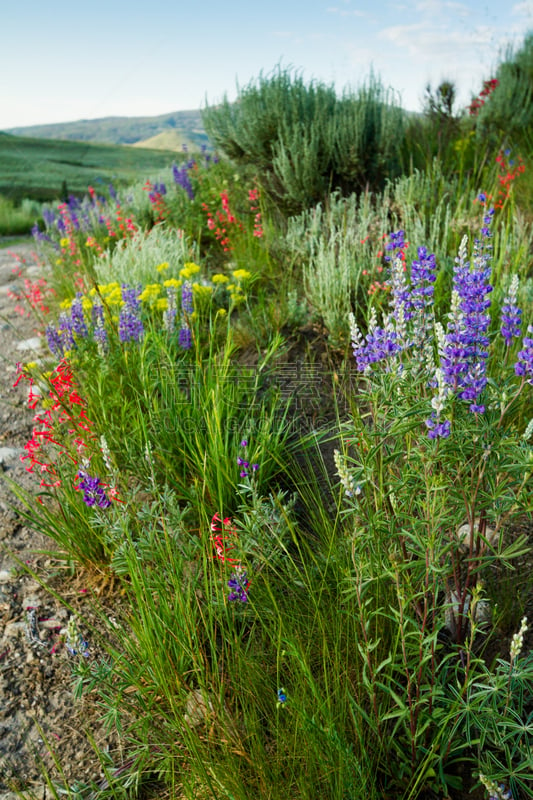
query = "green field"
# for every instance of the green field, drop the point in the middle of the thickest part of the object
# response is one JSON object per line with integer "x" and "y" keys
{"x": 42, "y": 168}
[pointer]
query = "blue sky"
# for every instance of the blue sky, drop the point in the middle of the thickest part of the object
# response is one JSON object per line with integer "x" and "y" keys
{"x": 62, "y": 61}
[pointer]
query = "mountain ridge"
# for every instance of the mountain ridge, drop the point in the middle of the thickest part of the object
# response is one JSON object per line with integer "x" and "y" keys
{"x": 122, "y": 130}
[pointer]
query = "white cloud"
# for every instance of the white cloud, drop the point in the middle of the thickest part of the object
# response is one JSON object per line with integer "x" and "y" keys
{"x": 525, "y": 8}
{"x": 427, "y": 41}
{"x": 443, "y": 7}
{"x": 345, "y": 12}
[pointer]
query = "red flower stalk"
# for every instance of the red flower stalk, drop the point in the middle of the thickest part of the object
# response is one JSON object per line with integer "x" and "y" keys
{"x": 222, "y": 536}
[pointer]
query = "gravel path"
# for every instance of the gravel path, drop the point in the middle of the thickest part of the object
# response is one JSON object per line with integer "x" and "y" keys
{"x": 37, "y": 710}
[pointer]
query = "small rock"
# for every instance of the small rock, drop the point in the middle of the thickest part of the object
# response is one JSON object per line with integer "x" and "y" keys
{"x": 6, "y": 576}
{"x": 51, "y": 624}
{"x": 13, "y": 629}
{"x": 31, "y": 602}
{"x": 30, "y": 344}
{"x": 8, "y": 454}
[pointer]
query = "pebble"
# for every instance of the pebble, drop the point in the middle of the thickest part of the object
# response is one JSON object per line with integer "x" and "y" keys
{"x": 8, "y": 454}
{"x": 30, "y": 344}
{"x": 12, "y": 629}
{"x": 6, "y": 576}
{"x": 51, "y": 624}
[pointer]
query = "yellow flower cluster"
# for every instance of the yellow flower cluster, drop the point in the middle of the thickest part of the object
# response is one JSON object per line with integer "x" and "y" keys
{"x": 162, "y": 267}
{"x": 202, "y": 291}
{"x": 64, "y": 242}
{"x": 150, "y": 292}
{"x": 241, "y": 274}
{"x": 172, "y": 282}
{"x": 110, "y": 292}
{"x": 189, "y": 270}
{"x": 219, "y": 278}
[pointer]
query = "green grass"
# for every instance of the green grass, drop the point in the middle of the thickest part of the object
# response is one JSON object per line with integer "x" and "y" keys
{"x": 41, "y": 168}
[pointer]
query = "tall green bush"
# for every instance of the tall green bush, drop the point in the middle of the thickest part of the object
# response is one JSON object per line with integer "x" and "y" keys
{"x": 305, "y": 141}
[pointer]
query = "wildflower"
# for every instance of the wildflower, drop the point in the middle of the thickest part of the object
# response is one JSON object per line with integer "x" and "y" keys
{"x": 496, "y": 791}
{"x": 186, "y": 298}
{"x": 75, "y": 643}
{"x": 181, "y": 178}
{"x": 162, "y": 267}
{"x": 93, "y": 491}
{"x": 344, "y": 474}
{"x": 241, "y": 274}
{"x": 438, "y": 429}
{"x": 282, "y": 697}
{"x": 219, "y": 278}
{"x": 379, "y": 345}
{"x": 54, "y": 341}
{"x": 517, "y": 641}
{"x": 79, "y": 326}
{"x": 99, "y": 330}
{"x": 189, "y": 270}
{"x": 66, "y": 333}
{"x": 511, "y": 316}
{"x": 130, "y": 327}
{"x": 169, "y": 314}
{"x": 185, "y": 338}
{"x": 172, "y": 282}
{"x": 238, "y": 583}
{"x": 150, "y": 292}
{"x": 223, "y": 538}
{"x": 524, "y": 365}
{"x": 466, "y": 350}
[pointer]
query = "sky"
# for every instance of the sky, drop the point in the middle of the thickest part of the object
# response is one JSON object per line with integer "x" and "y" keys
{"x": 62, "y": 61}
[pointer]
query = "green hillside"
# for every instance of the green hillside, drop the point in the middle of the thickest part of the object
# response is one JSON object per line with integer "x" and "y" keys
{"x": 122, "y": 130}
{"x": 40, "y": 168}
{"x": 167, "y": 140}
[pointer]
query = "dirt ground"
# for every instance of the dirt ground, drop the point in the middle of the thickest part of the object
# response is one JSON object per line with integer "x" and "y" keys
{"x": 38, "y": 716}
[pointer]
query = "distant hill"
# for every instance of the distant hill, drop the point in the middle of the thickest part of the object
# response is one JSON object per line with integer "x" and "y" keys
{"x": 123, "y": 130}
{"x": 167, "y": 140}
{"x": 46, "y": 169}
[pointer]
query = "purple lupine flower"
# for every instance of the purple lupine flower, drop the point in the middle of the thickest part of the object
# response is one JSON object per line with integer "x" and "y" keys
{"x": 503, "y": 793}
{"x": 438, "y": 429}
{"x": 238, "y": 583}
{"x": 130, "y": 327}
{"x": 39, "y": 235}
{"x": 93, "y": 490}
{"x": 160, "y": 188}
{"x": 54, "y": 341}
{"x": 511, "y": 316}
{"x": 422, "y": 278}
{"x": 185, "y": 338}
{"x": 186, "y": 298}
{"x": 464, "y": 359}
{"x": 79, "y": 326}
{"x": 396, "y": 244}
{"x": 169, "y": 315}
{"x": 181, "y": 178}
{"x": 99, "y": 329}
{"x": 379, "y": 345}
{"x": 524, "y": 364}
{"x": 400, "y": 301}
{"x": 112, "y": 192}
{"x": 48, "y": 217}
{"x": 66, "y": 332}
